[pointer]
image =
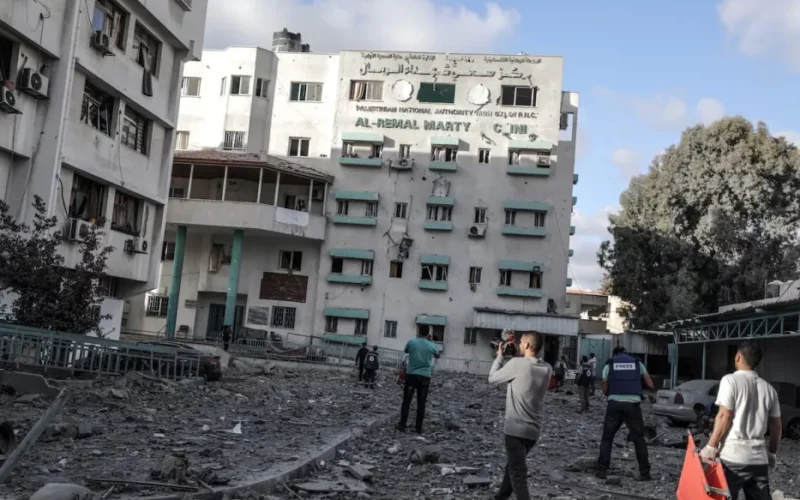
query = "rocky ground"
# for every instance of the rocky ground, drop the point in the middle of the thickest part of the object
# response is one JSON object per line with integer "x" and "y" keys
{"x": 138, "y": 429}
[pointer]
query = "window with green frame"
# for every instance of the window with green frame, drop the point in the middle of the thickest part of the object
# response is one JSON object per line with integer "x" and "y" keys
{"x": 437, "y": 92}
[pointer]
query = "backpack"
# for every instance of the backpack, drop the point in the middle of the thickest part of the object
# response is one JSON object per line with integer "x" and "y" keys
{"x": 372, "y": 361}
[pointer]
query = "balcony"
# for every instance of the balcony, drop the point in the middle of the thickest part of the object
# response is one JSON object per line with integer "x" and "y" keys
{"x": 574, "y": 200}
{"x": 436, "y": 225}
{"x": 535, "y": 232}
{"x": 443, "y": 166}
{"x": 572, "y": 230}
{"x": 569, "y": 281}
{"x": 528, "y": 293}
{"x": 436, "y": 286}
{"x": 574, "y": 179}
{"x": 354, "y": 220}
{"x": 355, "y": 161}
{"x": 350, "y": 279}
{"x": 362, "y": 149}
{"x": 528, "y": 170}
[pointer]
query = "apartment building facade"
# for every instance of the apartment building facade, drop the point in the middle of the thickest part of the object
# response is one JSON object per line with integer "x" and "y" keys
{"x": 90, "y": 96}
{"x": 441, "y": 184}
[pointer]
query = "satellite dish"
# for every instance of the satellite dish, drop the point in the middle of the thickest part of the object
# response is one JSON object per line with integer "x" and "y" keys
{"x": 478, "y": 95}
{"x": 402, "y": 90}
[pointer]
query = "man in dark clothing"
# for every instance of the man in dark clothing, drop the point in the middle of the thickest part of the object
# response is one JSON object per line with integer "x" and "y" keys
{"x": 623, "y": 379}
{"x": 361, "y": 357}
{"x": 593, "y": 366}
{"x": 371, "y": 368}
{"x": 226, "y": 337}
{"x": 583, "y": 379}
{"x": 421, "y": 352}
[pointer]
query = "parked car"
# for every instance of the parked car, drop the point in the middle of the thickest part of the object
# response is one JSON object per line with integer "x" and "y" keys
{"x": 678, "y": 405}
{"x": 210, "y": 365}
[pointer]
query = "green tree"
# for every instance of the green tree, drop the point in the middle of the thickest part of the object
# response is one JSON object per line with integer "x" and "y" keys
{"x": 715, "y": 217}
{"x": 46, "y": 293}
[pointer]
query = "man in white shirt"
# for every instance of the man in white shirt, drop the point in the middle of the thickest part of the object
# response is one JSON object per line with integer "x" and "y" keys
{"x": 748, "y": 408}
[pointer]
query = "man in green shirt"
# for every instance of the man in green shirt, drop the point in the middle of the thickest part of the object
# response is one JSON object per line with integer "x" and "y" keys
{"x": 421, "y": 352}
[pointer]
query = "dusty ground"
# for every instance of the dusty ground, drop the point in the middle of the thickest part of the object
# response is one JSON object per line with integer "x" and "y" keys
{"x": 465, "y": 429}
{"x": 131, "y": 424}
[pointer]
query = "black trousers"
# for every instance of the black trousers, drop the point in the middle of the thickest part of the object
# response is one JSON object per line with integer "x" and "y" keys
{"x": 630, "y": 414}
{"x": 361, "y": 370}
{"x": 753, "y": 480}
{"x": 369, "y": 377}
{"x": 515, "y": 479}
{"x": 420, "y": 385}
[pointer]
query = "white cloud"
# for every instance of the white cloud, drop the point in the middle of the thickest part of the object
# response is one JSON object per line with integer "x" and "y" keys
{"x": 628, "y": 162}
{"x": 593, "y": 224}
{"x": 709, "y": 110}
{"x": 764, "y": 28}
{"x": 333, "y": 25}
{"x": 591, "y": 229}
{"x": 792, "y": 136}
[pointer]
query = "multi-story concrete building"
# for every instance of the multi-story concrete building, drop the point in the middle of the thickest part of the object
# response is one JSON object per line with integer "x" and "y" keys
{"x": 88, "y": 106}
{"x": 367, "y": 196}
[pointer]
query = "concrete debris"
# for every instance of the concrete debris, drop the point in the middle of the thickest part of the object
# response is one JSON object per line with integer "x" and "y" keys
{"x": 428, "y": 455}
{"x": 61, "y": 491}
{"x": 173, "y": 469}
{"x": 477, "y": 481}
{"x": 27, "y": 383}
{"x": 778, "y": 495}
{"x": 324, "y": 486}
{"x": 360, "y": 473}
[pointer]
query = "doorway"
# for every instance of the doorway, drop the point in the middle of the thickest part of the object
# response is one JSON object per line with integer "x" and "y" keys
{"x": 216, "y": 320}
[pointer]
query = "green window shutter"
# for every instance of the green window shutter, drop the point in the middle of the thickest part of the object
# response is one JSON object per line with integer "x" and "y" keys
{"x": 437, "y": 92}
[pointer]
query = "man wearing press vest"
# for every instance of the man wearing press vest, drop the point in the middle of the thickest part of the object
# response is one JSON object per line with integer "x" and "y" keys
{"x": 623, "y": 380}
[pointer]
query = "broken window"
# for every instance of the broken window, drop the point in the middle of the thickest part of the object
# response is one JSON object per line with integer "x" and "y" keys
{"x": 157, "y": 305}
{"x": 190, "y": 86}
{"x": 337, "y": 265}
{"x": 146, "y": 49}
{"x": 405, "y": 151}
{"x": 342, "y": 207}
{"x": 483, "y": 156}
{"x": 182, "y": 140}
{"x": 361, "y": 90}
{"x": 539, "y": 218}
{"x": 435, "y": 331}
{"x": 437, "y": 93}
{"x": 96, "y": 108}
{"x": 110, "y": 20}
{"x": 221, "y": 254}
{"x": 361, "y": 327}
{"x": 331, "y": 324}
{"x": 535, "y": 280}
{"x": 88, "y": 200}
{"x": 291, "y": 261}
{"x": 480, "y": 215}
{"x": 396, "y": 269}
{"x": 306, "y": 92}
{"x": 470, "y": 336}
{"x": 366, "y": 268}
{"x": 475, "y": 275}
{"x": 437, "y": 213}
{"x": 444, "y": 154}
{"x": 349, "y": 150}
{"x": 177, "y": 192}
{"x": 505, "y": 277}
{"x": 168, "y": 250}
{"x": 134, "y": 130}
{"x": 235, "y": 140}
{"x": 108, "y": 286}
{"x": 262, "y": 87}
{"x": 390, "y": 329}
{"x": 6, "y": 51}
{"x": 371, "y": 209}
{"x": 519, "y": 95}
{"x": 400, "y": 210}
{"x": 240, "y": 85}
{"x": 513, "y": 157}
{"x": 377, "y": 150}
{"x": 125, "y": 217}
{"x": 298, "y": 146}
{"x": 434, "y": 272}
{"x": 283, "y": 317}
{"x": 511, "y": 217}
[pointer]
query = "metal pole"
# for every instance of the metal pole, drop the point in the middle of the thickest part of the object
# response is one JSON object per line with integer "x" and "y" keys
{"x": 175, "y": 287}
{"x": 705, "y": 344}
{"x": 277, "y": 188}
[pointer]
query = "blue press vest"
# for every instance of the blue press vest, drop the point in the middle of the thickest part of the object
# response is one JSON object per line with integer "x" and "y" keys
{"x": 624, "y": 376}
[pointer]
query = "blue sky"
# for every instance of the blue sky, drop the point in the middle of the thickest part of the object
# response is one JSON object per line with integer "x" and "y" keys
{"x": 646, "y": 69}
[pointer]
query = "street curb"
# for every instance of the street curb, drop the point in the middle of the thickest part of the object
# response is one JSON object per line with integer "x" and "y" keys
{"x": 283, "y": 473}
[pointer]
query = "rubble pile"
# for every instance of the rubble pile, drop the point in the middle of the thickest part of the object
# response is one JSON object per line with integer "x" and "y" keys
{"x": 149, "y": 430}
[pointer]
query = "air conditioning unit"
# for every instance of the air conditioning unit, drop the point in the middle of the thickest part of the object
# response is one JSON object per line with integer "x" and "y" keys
{"x": 477, "y": 231}
{"x": 317, "y": 194}
{"x": 78, "y": 230}
{"x": 8, "y": 101}
{"x": 102, "y": 43}
{"x": 404, "y": 163}
{"x": 33, "y": 83}
{"x": 136, "y": 245}
{"x": 543, "y": 161}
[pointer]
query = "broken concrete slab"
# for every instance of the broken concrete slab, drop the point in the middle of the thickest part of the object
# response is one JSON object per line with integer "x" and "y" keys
{"x": 359, "y": 472}
{"x": 477, "y": 481}
{"x": 27, "y": 383}
{"x": 327, "y": 486}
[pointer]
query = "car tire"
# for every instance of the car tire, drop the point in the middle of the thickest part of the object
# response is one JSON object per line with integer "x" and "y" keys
{"x": 793, "y": 429}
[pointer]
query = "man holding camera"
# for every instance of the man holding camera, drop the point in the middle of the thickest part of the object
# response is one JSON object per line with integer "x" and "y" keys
{"x": 528, "y": 379}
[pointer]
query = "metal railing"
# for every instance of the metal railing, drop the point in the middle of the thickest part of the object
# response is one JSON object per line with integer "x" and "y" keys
{"x": 70, "y": 353}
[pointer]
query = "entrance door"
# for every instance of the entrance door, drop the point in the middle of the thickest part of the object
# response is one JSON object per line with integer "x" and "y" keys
{"x": 216, "y": 320}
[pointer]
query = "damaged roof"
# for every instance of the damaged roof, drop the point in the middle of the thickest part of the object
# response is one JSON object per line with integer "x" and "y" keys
{"x": 235, "y": 159}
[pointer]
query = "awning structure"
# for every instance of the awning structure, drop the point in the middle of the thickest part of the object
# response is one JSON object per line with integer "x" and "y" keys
{"x": 355, "y": 195}
{"x": 444, "y": 141}
{"x": 346, "y": 312}
{"x": 522, "y": 321}
{"x": 352, "y": 253}
{"x": 365, "y": 137}
{"x": 531, "y": 145}
{"x": 431, "y": 319}
{"x": 517, "y": 265}
{"x": 444, "y": 201}
{"x": 432, "y": 258}
{"x": 345, "y": 339}
{"x": 530, "y": 206}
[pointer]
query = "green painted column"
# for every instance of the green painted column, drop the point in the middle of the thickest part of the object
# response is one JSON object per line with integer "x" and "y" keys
{"x": 233, "y": 279}
{"x": 175, "y": 287}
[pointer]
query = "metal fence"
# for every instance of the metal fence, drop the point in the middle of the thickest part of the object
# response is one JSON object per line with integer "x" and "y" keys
{"x": 69, "y": 353}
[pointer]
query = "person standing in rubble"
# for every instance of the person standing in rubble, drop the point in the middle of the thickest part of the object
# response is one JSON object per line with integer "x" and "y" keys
{"x": 528, "y": 379}
{"x": 421, "y": 352}
{"x": 623, "y": 380}
{"x": 361, "y": 358}
{"x": 583, "y": 378}
{"x": 748, "y": 408}
{"x": 593, "y": 366}
{"x": 371, "y": 366}
{"x": 561, "y": 372}
{"x": 226, "y": 337}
